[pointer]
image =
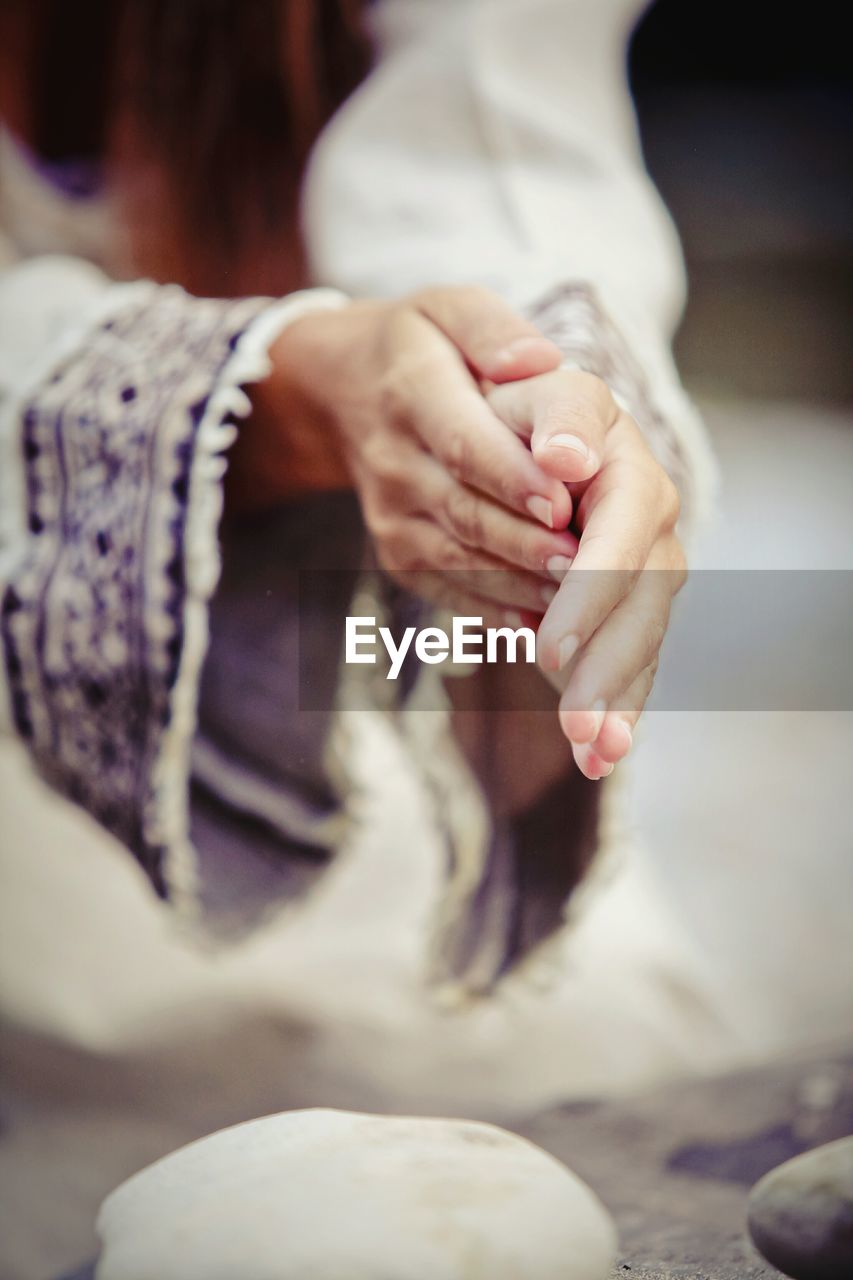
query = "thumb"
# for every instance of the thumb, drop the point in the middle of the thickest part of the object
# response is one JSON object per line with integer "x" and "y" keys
{"x": 565, "y": 415}
{"x": 496, "y": 342}
{"x": 572, "y": 414}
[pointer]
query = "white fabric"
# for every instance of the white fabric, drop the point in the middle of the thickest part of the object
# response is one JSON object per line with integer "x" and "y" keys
{"x": 496, "y": 143}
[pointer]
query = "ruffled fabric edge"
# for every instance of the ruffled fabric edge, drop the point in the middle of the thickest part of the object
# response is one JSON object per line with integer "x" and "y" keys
{"x": 249, "y": 363}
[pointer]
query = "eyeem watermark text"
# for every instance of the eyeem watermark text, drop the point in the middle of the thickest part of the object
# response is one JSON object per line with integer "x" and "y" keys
{"x": 469, "y": 642}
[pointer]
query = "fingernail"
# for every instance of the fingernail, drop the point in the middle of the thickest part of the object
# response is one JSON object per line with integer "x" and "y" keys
{"x": 513, "y": 350}
{"x": 558, "y": 567}
{"x": 566, "y": 650}
{"x": 565, "y": 441}
{"x": 628, "y": 734}
{"x": 548, "y": 594}
{"x": 513, "y": 619}
{"x": 541, "y": 509}
{"x": 602, "y": 770}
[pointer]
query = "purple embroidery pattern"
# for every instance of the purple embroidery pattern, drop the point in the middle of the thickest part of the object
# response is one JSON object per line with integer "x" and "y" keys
{"x": 92, "y": 621}
{"x": 572, "y": 317}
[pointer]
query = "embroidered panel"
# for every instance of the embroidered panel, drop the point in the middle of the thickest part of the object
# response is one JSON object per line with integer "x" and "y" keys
{"x": 92, "y": 621}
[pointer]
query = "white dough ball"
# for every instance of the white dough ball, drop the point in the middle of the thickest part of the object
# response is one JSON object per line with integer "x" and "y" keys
{"x": 333, "y": 1195}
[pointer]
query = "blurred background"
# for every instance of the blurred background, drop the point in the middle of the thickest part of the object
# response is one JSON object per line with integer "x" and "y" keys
{"x": 746, "y": 121}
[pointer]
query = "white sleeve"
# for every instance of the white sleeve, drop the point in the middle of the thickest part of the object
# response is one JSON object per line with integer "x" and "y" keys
{"x": 117, "y": 404}
{"x": 495, "y": 143}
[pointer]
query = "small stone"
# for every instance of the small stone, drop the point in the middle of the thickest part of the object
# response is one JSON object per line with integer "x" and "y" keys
{"x": 801, "y": 1214}
{"x": 339, "y": 1196}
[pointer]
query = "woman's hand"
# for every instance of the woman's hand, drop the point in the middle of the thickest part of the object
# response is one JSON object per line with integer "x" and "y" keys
{"x": 601, "y": 635}
{"x": 387, "y": 396}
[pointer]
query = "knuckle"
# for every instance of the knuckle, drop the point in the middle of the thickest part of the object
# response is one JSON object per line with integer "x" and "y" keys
{"x": 464, "y": 512}
{"x": 566, "y": 414}
{"x": 679, "y": 568}
{"x": 372, "y": 450}
{"x": 670, "y": 500}
{"x": 593, "y": 392}
{"x": 449, "y": 300}
{"x": 597, "y": 385}
{"x": 384, "y": 463}
{"x": 381, "y": 523}
{"x": 476, "y": 295}
{"x": 586, "y": 684}
{"x": 406, "y": 364}
{"x": 408, "y": 556}
{"x": 392, "y": 493}
{"x": 456, "y": 455}
{"x": 392, "y": 393}
{"x": 388, "y": 555}
{"x": 644, "y": 637}
{"x": 420, "y": 299}
{"x": 655, "y": 634}
{"x": 633, "y": 561}
{"x": 527, "y": 548}
{"x": 451, "y": 555}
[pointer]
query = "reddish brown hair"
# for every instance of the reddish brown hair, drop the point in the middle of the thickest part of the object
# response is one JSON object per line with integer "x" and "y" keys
{"x": 224, "y": 98}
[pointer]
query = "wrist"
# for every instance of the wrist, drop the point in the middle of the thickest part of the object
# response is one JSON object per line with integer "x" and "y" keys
{"x": 288, "y": 447}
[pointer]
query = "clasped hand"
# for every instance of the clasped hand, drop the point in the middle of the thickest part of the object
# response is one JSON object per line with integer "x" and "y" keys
{"x": 516, "y": 490}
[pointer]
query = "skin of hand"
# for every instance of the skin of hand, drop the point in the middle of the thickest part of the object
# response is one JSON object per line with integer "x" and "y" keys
{"x": 410, "y": 401}
{"x": 387, "y": 396}
{"x": 600, "y": 638}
